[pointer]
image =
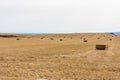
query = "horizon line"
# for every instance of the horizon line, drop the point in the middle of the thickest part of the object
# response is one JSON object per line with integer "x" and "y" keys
{"x": 51, "y": 32}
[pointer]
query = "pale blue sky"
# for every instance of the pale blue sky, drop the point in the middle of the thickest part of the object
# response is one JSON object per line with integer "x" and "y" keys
{"x": 58, "y": 16}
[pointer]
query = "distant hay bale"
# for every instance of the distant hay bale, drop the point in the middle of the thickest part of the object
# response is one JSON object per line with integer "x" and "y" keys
{"x": 64, "y": 37}
{"x": 85, "y": 40}
{"x": 59, "y": 35}
{"x": 28, "y": 37}
{"x": 81, "y": 37}
{"x": 70, "y": 37}
{"x": 51, "y": 38}
{"x": 18, "y": 39}
{"x": 42, "y": 37}
{"x": 101, "y": 47}
{"x": 98, "y": 38}
{"x": 110, "y": 39}
{"x": 60, "y": 39}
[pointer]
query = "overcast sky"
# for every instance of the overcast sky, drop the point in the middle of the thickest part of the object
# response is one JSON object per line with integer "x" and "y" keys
{"x": 58, "y": 16}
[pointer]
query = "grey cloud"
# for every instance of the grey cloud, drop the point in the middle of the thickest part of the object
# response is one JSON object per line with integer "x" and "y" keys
{"x": 59, "y": 15}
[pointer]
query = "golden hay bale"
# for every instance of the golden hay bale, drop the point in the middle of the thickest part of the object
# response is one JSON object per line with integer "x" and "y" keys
{"x": 101, "y": 47}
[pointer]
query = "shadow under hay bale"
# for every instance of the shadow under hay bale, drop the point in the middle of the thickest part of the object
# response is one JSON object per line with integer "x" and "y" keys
{"x": 101, "y": 47}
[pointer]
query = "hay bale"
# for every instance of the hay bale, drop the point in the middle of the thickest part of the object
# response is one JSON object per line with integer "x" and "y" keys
{"x": 42, "y": 37}
{"x": 101, "y": 47}
{"x": 51, "y": 38}
{"x": 64, "y": 37}
{"x": 110, "y": 39}
{"x": 61, "y": 40}
{"x": 28, "y": 37}
{"x": 98, "y": 38}
{"x": 17, "y": 39}
{"x": 85, "y": 41}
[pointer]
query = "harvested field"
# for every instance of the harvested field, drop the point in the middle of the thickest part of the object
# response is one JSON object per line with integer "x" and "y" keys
{"x": 42, "y": 58}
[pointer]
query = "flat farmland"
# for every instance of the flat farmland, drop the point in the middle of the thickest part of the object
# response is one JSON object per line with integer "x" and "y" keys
{"x": 60, "y": 57}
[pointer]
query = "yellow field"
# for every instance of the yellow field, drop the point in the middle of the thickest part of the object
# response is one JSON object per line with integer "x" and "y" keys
{"x": 38, "y": 57}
